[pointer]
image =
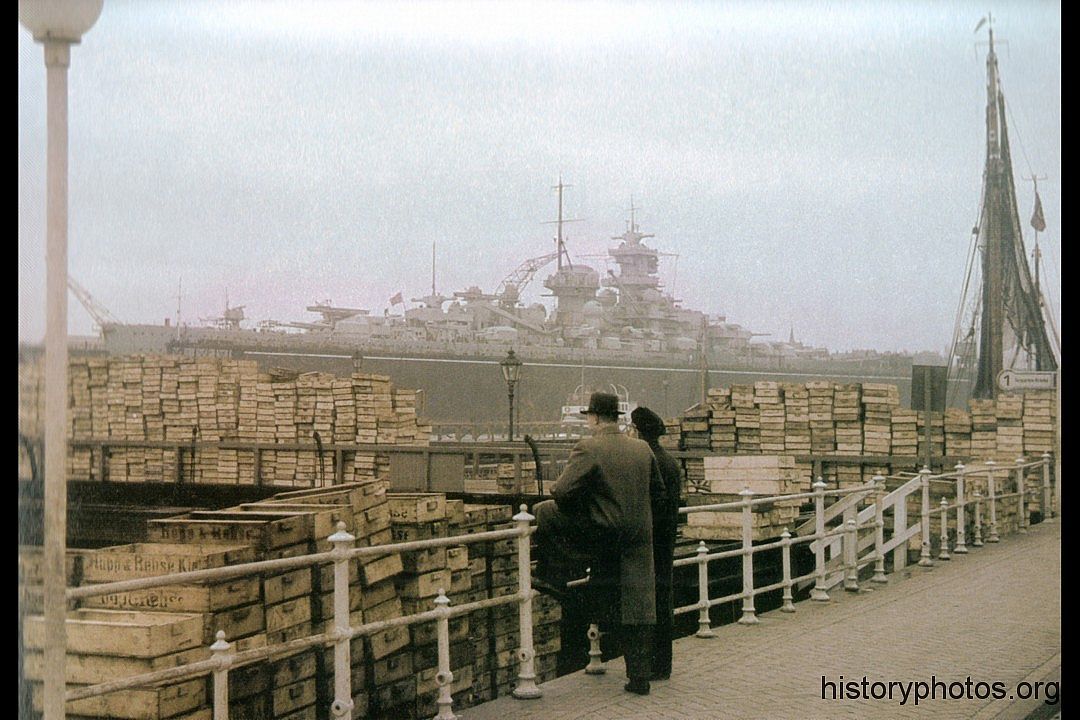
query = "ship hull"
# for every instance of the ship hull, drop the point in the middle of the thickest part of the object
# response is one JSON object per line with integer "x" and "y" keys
{"x": 464, "y": 384}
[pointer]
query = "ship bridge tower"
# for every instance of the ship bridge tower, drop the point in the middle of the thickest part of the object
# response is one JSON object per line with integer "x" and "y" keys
{"x": 637, "y": 281}
{"x": 572, "y": 286}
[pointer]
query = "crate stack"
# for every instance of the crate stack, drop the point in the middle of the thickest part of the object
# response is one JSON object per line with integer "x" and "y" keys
{"x": 847, "y": 417}
{"x": 282, "y": 609}
{"x": 878, "y": 402}
{"x": 672, "y": 437}
{"x": 695, "y": 427}
{"x": 983, "y": 429}
{"x": 726, "y": 477}
{"x": 158, "y": 398}
{"x": 471, "y": 520}
{"x": 721, "y": 421}
{"x": 822, "y": 431}
{"x": 1010, "y": 430}
{"x": 905, "y": 432}
{"x": 796, "y": 418}
{"x": 1038, "y": 423}
{"x": 957, "y": 432}
{"x": 103, "y": 645}
{"x": 771, "y": 414}
{"x": 747, "y": 420}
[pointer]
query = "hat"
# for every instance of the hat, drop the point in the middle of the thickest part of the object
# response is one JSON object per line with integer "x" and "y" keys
{"x": 648, "y": 423}
{"x": 603, "y": 404}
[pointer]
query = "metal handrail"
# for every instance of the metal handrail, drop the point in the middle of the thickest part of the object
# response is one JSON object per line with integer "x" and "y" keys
{"x": 222, "y": 660}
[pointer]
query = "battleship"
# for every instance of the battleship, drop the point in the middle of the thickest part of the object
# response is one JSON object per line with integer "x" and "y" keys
{"x": 620, "y": 327}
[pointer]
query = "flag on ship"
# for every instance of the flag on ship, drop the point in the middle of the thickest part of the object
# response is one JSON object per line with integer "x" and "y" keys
{"x": 1037, "y": 220}
{"x": 397, "y": 300}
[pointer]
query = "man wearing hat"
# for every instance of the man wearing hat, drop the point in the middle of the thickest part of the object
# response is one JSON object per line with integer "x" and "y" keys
{"x": 649, "y": 427}
{"x": 601, "y": 516}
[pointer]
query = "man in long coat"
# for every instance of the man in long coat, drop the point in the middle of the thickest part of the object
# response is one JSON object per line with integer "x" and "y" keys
{"x": 602, "y": 514}
{"x": 649, "y": 427}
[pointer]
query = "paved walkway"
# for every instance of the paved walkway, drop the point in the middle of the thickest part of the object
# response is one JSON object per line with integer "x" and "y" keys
{"x": 993, "y": 615}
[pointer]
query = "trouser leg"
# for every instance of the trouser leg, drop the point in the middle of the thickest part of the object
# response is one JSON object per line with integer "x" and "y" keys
{"x": 637, "y": 650}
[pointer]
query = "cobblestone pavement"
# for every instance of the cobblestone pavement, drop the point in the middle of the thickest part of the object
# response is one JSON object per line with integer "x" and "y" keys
{"x": 993, "y": 615}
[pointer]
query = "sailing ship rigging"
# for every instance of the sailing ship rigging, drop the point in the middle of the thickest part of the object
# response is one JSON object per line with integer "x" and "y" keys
{"x": 1002, "y": 319}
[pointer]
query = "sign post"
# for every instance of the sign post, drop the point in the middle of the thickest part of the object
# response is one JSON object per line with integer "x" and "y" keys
{"x": 928, "y": 385}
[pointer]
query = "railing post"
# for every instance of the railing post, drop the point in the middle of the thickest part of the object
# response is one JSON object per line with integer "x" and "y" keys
{"x": 220, "y": 652}
{"x": 526, "y": 685}
{"x": 879, "y": 531}
{"x": 595, "y": 666}
{"x": 785, "y": 557}
{"x": 749, "y": 617}
{"x": 943, "y": 554}
{"x": 900, "y": 528}
{"x": 444, "y": 678}
{"x": 1047, "y": 507}
{"x": 961, "y": 501}
{"x": 924, "y": 520}
{"x": 851, "y": 556}
{"x": 1021, "y": 487}
{"x": 704, "y": 629}
{"x": 992, "y": 492}
{"x": 343, "y": 703}
{"x": 819, "y": 593}
{"x": 978, "y": 541}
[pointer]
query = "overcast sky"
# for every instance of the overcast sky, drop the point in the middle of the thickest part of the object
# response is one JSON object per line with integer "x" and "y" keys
{"x": 811, "y": 164}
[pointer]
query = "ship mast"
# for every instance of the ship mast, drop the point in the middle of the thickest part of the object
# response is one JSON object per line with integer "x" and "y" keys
{"x": 1012, "y": 327}
{"x": 560, "y": 246}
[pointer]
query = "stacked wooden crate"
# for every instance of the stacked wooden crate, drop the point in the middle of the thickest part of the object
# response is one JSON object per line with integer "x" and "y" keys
{"x": 672, "y": 437}
{"x": 695, "y": 427}
{"x": 471, "y": 520}
{"x": 1038, "y": 423}
{"x": 1010, "y": 430}
{"x": 820, "y": 403}
{"x": 770, "y": 405}
{"x": 721, "y": 421}
{"x": 747, "y": 420}
{"x": 726, "y": 477}
{"x": 957, "y": 432}
{"x": 937, "y": 433}
{"x": 156, "y": 398}
{"x": 847, "y": 417}
{"x": 905, "y": 438}
{"x": 983, "y": 429}
{"x": 878, "y": 402}
{"x": 104, "y": 645}
{"x": 796, "y": 418}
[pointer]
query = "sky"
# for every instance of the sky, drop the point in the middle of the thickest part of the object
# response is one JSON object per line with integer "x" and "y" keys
{"x": 807, "y": 165}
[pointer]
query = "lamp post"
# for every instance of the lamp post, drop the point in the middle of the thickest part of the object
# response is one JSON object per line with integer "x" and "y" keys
{"x": 57, "y": 25}
{"x": 511, "y": 370}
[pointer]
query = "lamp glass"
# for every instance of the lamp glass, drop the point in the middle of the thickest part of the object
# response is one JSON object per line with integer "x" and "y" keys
{"x": 511, "y": 367}
{"x": 59, "y": 19}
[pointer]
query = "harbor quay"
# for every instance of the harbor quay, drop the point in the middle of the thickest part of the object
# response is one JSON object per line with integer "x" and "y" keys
{"x": 307, "y": 505}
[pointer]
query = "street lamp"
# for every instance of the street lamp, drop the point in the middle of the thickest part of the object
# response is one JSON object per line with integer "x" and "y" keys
{"x": 57, "y": 25}
{"x": 511, "y": 370}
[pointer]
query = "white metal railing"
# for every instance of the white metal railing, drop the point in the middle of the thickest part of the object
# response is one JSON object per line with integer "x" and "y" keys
{"x": 223, "y": 659}
{"x": 846, "y": 536}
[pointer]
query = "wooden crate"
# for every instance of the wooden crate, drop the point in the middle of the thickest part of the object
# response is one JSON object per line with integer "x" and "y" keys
{"x": 122, "y": 633}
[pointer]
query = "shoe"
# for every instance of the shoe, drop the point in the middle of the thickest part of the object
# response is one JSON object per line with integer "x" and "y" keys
{"x": 639, "y": 687}
{"x": 661, "y": 675}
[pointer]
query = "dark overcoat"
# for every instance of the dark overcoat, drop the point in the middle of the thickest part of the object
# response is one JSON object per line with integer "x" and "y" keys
{"x": 612, "y": 481}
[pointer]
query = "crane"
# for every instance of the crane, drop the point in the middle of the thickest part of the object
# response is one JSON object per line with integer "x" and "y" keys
{"x": 510, "y": 289}
{"x": 97, "y": 311}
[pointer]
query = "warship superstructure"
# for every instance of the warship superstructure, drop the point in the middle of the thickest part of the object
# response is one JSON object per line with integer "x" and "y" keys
{"x": 615, "y": 325}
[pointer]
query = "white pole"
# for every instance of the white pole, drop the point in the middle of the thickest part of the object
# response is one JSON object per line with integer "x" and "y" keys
{"x": 992, "y": 491}
{"x": 220, "y": 652}
{"x": 879, "y": 532}
{"x": 749, "y": 617}
{"x": 342, "y": 706}
{"x": 526, "y": 686}
{"x": 704, "y": 629}
{"x": 818, "y": 592}
{"x": 961, "y": 544}
{"x": 57, "y": 57}
{"x": 924, "y": 553}
{"x": 943, "y": 553}
{"x": 788, "y": 605}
